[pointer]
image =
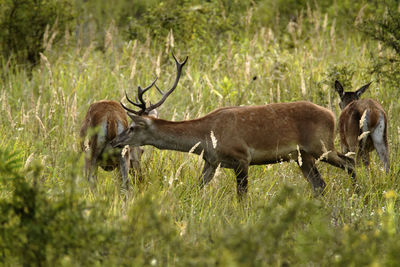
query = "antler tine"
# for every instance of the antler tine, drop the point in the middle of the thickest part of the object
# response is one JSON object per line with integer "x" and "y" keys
{"x": 129, "y": 110}
{"x": 177, "y": 62}
{"x": 179, "y": 67}
{"x": 142, "y": 91}
{"x": 130, "y": 101}
{"x": 142, "y": 104}
{"x": 140, "y": 96}
{"x": 151, "y": 85}
{"x": 159, "y": 90}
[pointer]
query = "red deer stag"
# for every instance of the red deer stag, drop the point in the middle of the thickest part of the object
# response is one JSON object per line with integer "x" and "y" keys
{"x": 103, "y": 122}
{"x": 237, "y": 137}
{"x": 362, "y": 125}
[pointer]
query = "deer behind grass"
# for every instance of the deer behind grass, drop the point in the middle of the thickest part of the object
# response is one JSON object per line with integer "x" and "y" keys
{"x": 103, "y": 122}
{"x": 237, "y": 137}
{"x": 362, "y": 125}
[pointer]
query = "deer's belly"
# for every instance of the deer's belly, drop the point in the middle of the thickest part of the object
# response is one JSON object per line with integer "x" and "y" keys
{"x": 286, "y": 153}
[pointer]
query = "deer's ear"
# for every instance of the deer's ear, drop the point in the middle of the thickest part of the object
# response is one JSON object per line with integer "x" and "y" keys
{"x": 339, "y": 88}
{"x": 363, "y": 88}
{"x": 132, "y": 116}
{"x": 153, "y": 113}
{"x": 139, "y": 120}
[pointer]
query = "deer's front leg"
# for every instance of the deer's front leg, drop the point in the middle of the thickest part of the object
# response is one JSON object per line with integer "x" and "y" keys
{"x": 91, "y": 169}
{"x": 207, "y": 174}
{"x": 91, "y": 160}
{"x": 124, "y": 165}
{"x": 135, "y": 157}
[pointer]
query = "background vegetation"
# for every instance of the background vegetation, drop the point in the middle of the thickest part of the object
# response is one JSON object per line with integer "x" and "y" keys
{"x": 59, "y": 56}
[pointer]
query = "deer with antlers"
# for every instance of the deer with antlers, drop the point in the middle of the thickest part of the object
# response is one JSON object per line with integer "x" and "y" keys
{"x": 237, "y": 137}
{"x": 362, "y": 126}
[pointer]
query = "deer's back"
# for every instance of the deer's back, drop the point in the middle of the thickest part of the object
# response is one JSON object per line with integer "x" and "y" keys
{"x": 105, "y": 111}
{"x": 271, "y": 126}
{"x": 106, "y": 119}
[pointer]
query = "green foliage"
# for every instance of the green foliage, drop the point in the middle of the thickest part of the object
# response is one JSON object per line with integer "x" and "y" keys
{"x": 25, "y": 27}
{"x": 188, "y": 21}
{"x": 279, "y": 14}
{"x": 271, "y": 239}
{"x": 343, "y": 73}
{"x": 36, "y": 230}
{"x": 10, "y": 162}
{"x": 384, "y": 27}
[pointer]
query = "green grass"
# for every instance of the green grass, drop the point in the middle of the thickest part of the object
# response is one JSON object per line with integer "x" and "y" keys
{"x": 168, "y": 220}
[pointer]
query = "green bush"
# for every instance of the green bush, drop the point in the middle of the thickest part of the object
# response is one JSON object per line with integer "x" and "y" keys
{"x": 24, "y": 23}
{"x": 189, "y": 21}
{"x": 384, "y": 27}
{"x": 36, "y": 230}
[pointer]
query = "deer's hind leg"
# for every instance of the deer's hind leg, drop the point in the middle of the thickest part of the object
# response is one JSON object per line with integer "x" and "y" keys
{"x": 379, "y": 138}
{"x": 241, "y": 172}
{"x": 383, "y": 154}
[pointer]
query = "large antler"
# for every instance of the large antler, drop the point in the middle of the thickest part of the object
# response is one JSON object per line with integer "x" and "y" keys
{"x": 142, "y": 105}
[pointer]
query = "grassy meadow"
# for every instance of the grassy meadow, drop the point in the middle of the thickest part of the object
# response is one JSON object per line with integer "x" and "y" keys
{"x": 50, "y": 217}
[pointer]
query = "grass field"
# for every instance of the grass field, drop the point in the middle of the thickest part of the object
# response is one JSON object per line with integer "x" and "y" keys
{"x": 51, "y": 217}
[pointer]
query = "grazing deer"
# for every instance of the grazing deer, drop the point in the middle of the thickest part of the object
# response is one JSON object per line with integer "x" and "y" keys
{"x": 103, "y": 122}
{"x": 237, "y": 137}
{"x": 362, "y": 125}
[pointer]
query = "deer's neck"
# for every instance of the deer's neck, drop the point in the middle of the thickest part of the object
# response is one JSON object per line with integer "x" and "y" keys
{"x": 180, "y": 136}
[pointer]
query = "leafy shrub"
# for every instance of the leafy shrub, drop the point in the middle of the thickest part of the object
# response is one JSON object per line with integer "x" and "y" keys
{"x": 37, "y": 230}
{"x": 341, "y": 72}
{"x": 384, "y": 28}
{"x": 190, "y": 21}
{"x": 270, "y": 241}
{"x": 23, "y": 25}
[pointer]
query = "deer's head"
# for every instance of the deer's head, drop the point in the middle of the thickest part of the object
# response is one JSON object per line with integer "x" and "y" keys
{"x": 140, "y": 129}
{"x": 348, "y": 97}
